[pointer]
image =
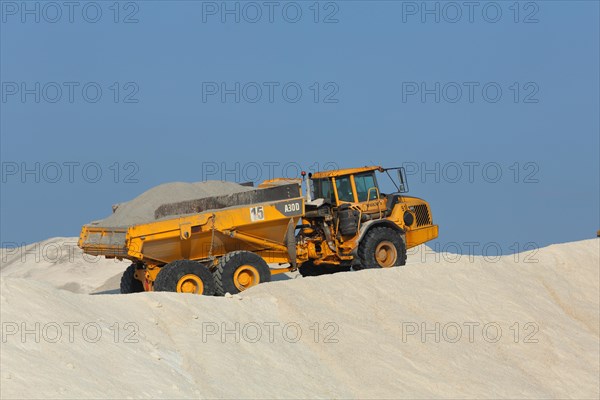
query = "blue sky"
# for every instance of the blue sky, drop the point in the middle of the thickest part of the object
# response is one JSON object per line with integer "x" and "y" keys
{"x": 503, "y": 88}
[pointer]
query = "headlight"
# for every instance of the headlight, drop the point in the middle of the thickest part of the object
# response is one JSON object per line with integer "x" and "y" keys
{"x": 409, "y": 218}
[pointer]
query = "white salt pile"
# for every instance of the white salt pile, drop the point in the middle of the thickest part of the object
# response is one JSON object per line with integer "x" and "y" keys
{"x": 471, "y": 328}
{"x": 141, "y": 209}
{"x": 62, "y": 264}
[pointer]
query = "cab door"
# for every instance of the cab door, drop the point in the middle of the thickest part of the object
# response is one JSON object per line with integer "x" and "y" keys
{"x": 367, "y": 193}
{"x": 344, "y": 190}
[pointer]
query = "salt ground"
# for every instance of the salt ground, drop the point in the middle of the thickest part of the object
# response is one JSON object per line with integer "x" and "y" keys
{"x": 466, "y": 329}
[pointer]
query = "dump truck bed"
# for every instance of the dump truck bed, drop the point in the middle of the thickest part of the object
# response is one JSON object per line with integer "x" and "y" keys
{"x": 261, "y": 220}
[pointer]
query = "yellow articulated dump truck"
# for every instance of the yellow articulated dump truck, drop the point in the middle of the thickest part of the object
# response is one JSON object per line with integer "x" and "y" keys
{"x": 224, "y": 243}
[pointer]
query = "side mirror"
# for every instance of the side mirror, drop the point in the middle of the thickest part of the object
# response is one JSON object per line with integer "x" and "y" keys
{"x": 403, "y": 188}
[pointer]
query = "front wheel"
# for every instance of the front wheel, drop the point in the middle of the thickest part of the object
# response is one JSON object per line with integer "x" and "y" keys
{"x": 185, "y": 276}
{"x": 381, "y": 247}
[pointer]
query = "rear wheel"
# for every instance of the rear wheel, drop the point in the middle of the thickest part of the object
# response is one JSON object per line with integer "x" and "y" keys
{"x": 129, "y": 284}
{"x": 381, "y": 247}
{"x": 185, "y": 276}
{"x": 240, "y": 270}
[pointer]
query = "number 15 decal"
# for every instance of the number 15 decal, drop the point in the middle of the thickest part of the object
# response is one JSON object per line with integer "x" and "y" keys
{"x": 257, "y": 213}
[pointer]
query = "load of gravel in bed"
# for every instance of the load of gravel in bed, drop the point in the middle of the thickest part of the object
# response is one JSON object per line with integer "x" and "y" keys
{"x": 141, "y": 209}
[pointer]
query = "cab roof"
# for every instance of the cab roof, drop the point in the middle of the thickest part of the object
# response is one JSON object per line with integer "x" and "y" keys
{"x": 347, "y": 171}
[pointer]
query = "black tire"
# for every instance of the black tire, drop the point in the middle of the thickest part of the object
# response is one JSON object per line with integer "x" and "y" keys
{"x": 225, "y": 272}
{"x": 380, "y": 236}
{"x": 128, "y": 282}
{"x": 170, "y": 275}
{"x": 308, "y": 268}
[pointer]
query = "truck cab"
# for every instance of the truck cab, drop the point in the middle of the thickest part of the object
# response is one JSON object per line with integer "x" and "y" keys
{"x": 350, "y": 222}
{"x": 357, "y": 186}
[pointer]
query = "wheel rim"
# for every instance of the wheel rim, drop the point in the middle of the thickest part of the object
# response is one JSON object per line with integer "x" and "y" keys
{"x": 386, "y": 254}
{"x": 190, "y": 283}
{"x": 245, "y": 277}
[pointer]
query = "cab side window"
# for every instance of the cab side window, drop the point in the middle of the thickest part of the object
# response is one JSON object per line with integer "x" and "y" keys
{"x": 364, "y": 182}
{"x": 344, "y": 189}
